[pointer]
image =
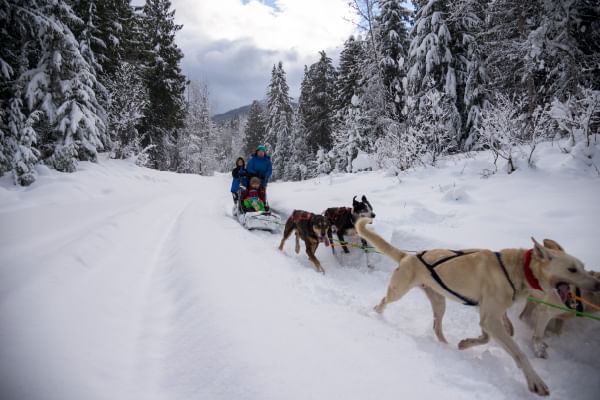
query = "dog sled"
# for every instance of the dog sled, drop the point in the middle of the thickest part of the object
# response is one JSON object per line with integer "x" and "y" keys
{"x": 256, "y": 220}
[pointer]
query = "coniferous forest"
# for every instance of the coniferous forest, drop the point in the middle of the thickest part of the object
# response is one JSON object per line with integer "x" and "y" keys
{"x": 80, "y": 77}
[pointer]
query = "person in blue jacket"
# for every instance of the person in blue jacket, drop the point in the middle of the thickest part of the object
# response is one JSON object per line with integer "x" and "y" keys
{"x": 238, "y": 174}
{"x": 260, "y": 165}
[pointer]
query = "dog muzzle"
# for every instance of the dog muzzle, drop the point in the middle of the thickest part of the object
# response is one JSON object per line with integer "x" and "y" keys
{"x": 325, "y": 240}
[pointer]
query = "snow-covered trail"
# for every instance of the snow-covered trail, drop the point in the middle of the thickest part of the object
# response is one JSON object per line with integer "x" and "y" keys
{"x": 120, "y": 283}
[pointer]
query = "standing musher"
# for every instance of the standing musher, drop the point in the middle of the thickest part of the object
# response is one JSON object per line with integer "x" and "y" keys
{"x": 260, "y": 166}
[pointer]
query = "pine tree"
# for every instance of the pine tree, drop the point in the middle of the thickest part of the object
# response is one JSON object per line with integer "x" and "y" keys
{"x": 349, "y": 77}
{"x": 432, "y": 76}
{"x": 352, "y": 124}
{"x": 297, "y": 168}
{"x": 466, "y": 24}
{"x": 279, "y": 116}
{"x": 128, "y": 98}
{"x": 318, "y": 110}
{"x": 72, "y": 125}
{"x": 254, "y": 132}
{"x": 540, "y": 52}
{"x": 392, "y": 39}
{"x": 165, "y": 111}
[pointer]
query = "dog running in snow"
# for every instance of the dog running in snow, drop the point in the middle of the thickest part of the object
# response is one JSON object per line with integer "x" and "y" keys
{"x": 342, "y": 220}
{"x": 312, "y": 228}
{"x": 490, "y": 280}
{"x": 543, "y": 318}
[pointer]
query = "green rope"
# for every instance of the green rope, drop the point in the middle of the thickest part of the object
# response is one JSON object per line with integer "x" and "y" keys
{"x": 368, "y": 249}
{"x": 578, "y": 313}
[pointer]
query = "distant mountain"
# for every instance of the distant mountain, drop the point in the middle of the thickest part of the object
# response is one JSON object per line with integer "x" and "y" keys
{"x": 240, "y": 112}
{"x": 236, "y": 112}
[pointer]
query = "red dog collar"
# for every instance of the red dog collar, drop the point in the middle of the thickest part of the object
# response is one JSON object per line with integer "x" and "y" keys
{"x": 531, "y": 279}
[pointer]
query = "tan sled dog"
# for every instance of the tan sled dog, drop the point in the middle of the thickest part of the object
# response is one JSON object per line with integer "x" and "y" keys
{"x": 480, "y": 277}
{"x": 543, "y": 318}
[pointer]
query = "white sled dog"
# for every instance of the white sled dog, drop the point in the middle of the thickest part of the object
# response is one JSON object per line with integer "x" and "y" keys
{"x": 483, "y": 278}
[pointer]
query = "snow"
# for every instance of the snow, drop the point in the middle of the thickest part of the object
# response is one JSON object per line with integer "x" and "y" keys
{"x": 364, "y": 162}
{"x": 120, "y": 282}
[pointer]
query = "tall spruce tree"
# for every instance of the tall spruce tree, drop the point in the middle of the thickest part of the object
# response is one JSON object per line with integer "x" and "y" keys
{"x": 318, "y": 110}
{"x": 348, "y": 135}
{"x": 254, "y": 132}
{"x": 59, "y": 87}
{"x": 165, "y": 112}
{"x": 127, "y": 99}
{"x": 432, "y": 74}
{"x": 279, "y": 115}
{"x": 392, "y": 39}
{"x": 349, "y": 77}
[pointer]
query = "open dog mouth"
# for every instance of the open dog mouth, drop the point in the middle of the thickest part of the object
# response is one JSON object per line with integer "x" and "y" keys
{"x": 324, "y": 239}
{"x": 563, "y": 289}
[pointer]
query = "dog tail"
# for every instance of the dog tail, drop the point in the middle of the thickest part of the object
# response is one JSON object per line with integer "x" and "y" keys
{"x": 377, "y": 241}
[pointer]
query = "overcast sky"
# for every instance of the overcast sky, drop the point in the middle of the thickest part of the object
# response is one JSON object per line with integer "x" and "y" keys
{"x": 233, "y": 44}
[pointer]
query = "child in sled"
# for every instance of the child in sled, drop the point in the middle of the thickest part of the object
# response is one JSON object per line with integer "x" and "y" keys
{"x": 254, "y": 198}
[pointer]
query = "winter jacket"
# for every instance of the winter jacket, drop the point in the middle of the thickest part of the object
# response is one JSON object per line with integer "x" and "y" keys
{"x": 260, "y": 167}
{"x": 254, "y": 196}
{"x": 239, "y": 174}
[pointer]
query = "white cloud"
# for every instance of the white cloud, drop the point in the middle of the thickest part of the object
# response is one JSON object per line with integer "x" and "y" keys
{"x": 233, "y": 45}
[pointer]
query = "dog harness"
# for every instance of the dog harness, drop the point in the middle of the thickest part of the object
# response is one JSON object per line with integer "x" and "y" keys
{"x": 436, "y": 277}
{"x": 457, "y": 253}
{"x": 334, "y": 216}
{"x": 298, "y": 216}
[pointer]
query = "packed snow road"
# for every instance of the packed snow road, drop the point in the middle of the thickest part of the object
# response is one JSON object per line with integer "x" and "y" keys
{"x": 118, "y": 283}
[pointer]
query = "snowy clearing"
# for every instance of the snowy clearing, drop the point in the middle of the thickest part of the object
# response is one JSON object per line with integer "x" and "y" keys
{"x": 118, "y": 282}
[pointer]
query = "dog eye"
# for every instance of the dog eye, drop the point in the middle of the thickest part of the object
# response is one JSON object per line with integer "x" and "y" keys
{"x": 572, "y": 270}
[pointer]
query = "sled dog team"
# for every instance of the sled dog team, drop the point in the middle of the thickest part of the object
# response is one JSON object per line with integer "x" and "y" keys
{"x": 493, "y": 281}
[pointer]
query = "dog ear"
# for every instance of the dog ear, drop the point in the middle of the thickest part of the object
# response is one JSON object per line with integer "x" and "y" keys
{"x": 364, "y": 199}
{"x": 540, "y": 251}
{"x": 354, "y": 200}
{"x": 551, "y": 244}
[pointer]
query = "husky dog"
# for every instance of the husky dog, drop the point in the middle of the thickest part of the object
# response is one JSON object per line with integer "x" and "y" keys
{"x": 490, "y": 280}
{"x": 342, "y": 220}
{"x": 312, "y": 228}
{"x": 543, "y": 318}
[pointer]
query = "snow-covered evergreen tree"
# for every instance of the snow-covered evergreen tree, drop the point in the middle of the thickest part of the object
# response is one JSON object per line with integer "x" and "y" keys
{"x": 254, "y": 132}
{"x": 127, "y": 100}
{"x": 542, "y": 49}
{"x": 278, "y": 115}
{"x": 62, "y": 85}
{"x": 165, "y": 111}
{"x": 349, "y": 74}
{"x": 466, "y": 24}
{"x": 318, "y": 110}
{"x": 392, "y": 40}
{"x": 296, "y": 169}
{"x": 432, "y": 74}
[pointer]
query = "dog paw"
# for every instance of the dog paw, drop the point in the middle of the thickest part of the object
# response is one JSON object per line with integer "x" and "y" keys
{"x": 537, "y": 386}
{"x": 463, "y": 344}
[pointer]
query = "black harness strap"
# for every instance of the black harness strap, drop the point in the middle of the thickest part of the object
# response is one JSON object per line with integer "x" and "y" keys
{"x": 436, "y": 277}
{"x": 512, "y": 285}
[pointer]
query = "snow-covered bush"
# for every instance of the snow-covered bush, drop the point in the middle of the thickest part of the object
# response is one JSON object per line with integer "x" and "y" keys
{"x": 364, "y": 162}
{"x": 400, "y": 149}
{"x": 578, "y": 116}
{"x": 501, "y": 130}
